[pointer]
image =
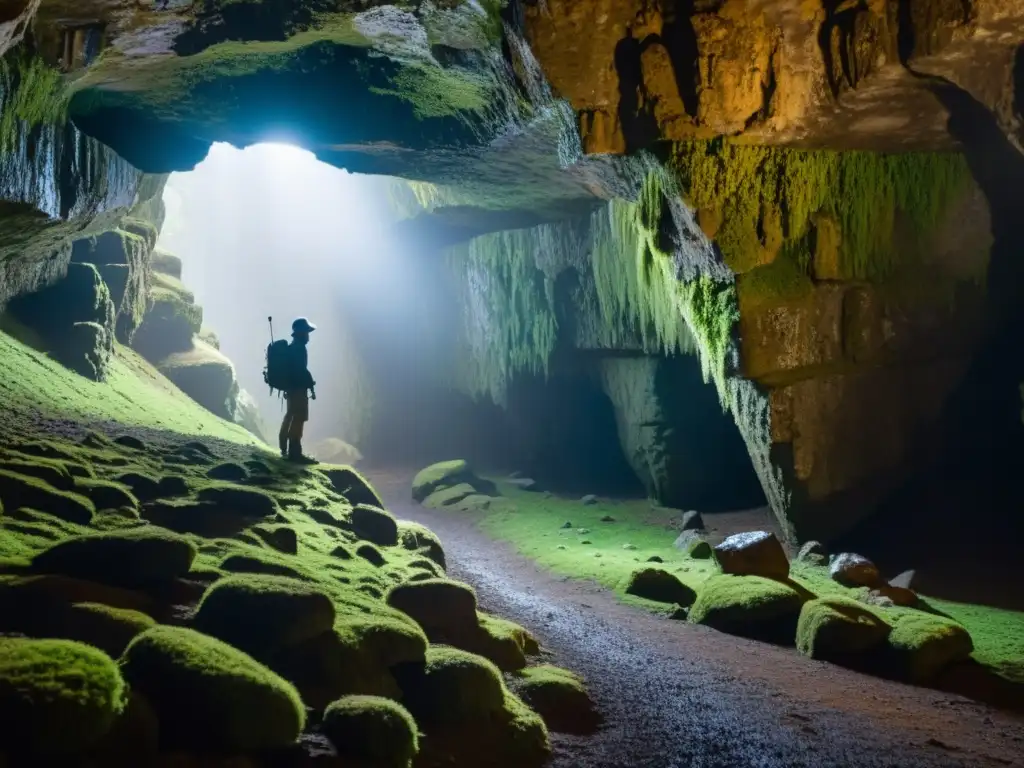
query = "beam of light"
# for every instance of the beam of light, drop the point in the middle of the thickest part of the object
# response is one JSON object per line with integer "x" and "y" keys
{"x": 271, "y": 231}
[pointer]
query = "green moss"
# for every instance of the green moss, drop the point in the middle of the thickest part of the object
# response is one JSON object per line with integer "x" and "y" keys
{"x": 249, "y": 502}
{"x": 927, "y": 644}
{"x": 449, "y": 496}
{"x": 864, "y": 191}
{"x": 58, "y": 697}
{"x": 25, "y": 491}
{"x": 372, "y": 729}
{"x": 136, "y": 557}
{"x": 375, "y": 525}
{"x": 444, "y": 608}
{"x": 353, "y": 486}
{"x": 434, "y": 91}
{"x": 834, "y": 627}
{"x": 102, "y": 626}
{"x": 106, "y": 494}
{"x": 209, "y": 695}
{"x": 261, "y": 613}
{"x": 748, "y": 605}
{"x": 559, "y": 696}
{"x": 429, "y": 479}
{"x": 659, "y": 585}
{"x": 33, "y": 93}
{"x": 503, "y": 642}
{"x": 418, "y": 538}
{"x": 998, "y": 635}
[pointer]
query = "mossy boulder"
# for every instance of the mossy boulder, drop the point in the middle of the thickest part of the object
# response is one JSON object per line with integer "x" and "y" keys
{"x": 58, "y": 697}
{"x": 280, "y": 537}
{"x": 210, "y": 696}
{"x": 503, "y": 642}
{"x": 923, "y": 645}
{"x": 353, "y": 486}
{"x": 105, "y": 494}
{"x": 261, "y": 614}
{"x": 445, "y": 609}
{"x": 143, "y": 487}
{"x": 371, "y": 554}
{"x": 444, "y": 473}
{"x": 228, "y": 471}
{"x": 416, "y": 537}
{"x": 102, "y": 626}
{"x": 132, "y": 557}
{"x": 247, "y": 502}
{"x": 449, "y": 496}
{"x": 752, "y": 606}
{"x": 374, "y": 525}
{"x": 253, "y": 563}
{"x": 836, "y": 628}
{"x": 659, "y": 585}
{"x": 469, "y": 716}
{"x": 559, "y": 696}
{"x": 26, "y": 491}
{"x": 373, "y": 730}
{"x": 22, "y": 596}
{"x": 53, "y": 472}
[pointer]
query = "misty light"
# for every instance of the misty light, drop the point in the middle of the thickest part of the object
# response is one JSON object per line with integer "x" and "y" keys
{"x": 272, "y": 231}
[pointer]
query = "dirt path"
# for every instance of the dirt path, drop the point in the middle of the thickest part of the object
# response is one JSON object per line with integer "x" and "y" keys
{"x": 675, "y": 695}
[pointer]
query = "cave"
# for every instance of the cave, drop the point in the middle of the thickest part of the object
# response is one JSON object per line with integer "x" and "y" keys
{"x": 669, "y": 343}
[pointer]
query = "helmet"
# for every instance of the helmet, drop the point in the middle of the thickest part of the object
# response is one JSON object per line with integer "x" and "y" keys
{"x": 302, "y": 325}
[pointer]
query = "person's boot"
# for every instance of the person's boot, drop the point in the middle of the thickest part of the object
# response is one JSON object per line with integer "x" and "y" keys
{"x": 283, "y": 443}
{"x": 295, "y": 454}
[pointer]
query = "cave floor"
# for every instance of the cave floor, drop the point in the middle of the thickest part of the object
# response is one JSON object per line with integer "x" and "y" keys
{"x": 676, "y": 695}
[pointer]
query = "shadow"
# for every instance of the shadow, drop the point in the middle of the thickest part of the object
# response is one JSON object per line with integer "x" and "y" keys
{"x": 1018, "y": 82}
{"x": 680, "y": 41}
{"x": 639, "y": 127}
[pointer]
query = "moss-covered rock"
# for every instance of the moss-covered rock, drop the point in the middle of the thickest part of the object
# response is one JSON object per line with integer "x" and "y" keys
{"x": 253, "y": 563}
{"x": 461, "y": 702}
{"x": 22, "y": 596}
{"x": 210, "y": 696}
{"x": 228, "y": 471}
{"x": 260, "y": 613}
{"x": 503, "y": 642}
{"x": 559, "y": 696}
{"x": 53, "y": 472}
{"x": 248, "y": 502}
{"x": 281, "y": 537}
{"x": 371, "y": 554}
{"x": 836, "y": 628}
{"x": 924, "y": 644}
{"x": 102, "y": 626}
{"x": 449, "y": 496}
{"x": 752, "y": 606}
{"x": 134, "y": 557}
{"x": 143, "y": 487}
{"x": 753, "y": 553}
{"x": 659, "y": 585}
{"x": 58, "y": 697}
{"x": 133, "y": 739}
{"x": 435, "y": 476}
{"x": 353, "y": 486}
{"x": 105, "y": 494}
{"x": 375, "y": 525}
{"x": 416, "y": 537}
{"x": 25, "y": 491}
{"x": 445, "y": 609}
{"x": 373, "y": 730}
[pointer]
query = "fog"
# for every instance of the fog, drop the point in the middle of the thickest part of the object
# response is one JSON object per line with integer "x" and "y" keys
{"x": 271, "y": 231}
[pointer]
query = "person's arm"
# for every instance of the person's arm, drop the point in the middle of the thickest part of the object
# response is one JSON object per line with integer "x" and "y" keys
{"x": 310, "y": 384}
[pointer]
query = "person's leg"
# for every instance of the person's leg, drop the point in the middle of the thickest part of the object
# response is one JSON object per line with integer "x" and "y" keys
{"x": 286, "y": 428}
{"x": 300, "y": 415}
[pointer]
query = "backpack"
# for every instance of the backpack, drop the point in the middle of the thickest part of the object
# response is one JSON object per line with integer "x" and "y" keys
{"x": 278, "y": 373}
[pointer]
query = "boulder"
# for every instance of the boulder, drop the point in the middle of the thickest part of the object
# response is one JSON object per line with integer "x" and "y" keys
{"x": 854, "y": 570}
{"x": 228, "y": 471}
{"x": 371, "y": 730}
{"x": 255, "y": 563}
{"x": 659, "y": 585}
{"x": 247, "y": 502}
{"x": 693, "y": 544}
{"x": 375, "y": 525}
{"x": 558, "y": 696}
{"x": 101, "y": 626}
{"x": 105, "y": 494}
{"x": 204, "y": 374}
{"x": 371, "y": 554}
{"x": 445, "y": 609}
{"x": 280, "y": 537}
{"x": 836, "y": 628}
{"x": 134, "y": 557}
{"x": 751, "y": 606}
{"x": 353, "y": 486}
{"x": 449, "y": 496}
{"x": 414, "y": 536}
{"x": 26, "y": 491}
{"x": 589, "y": 500}
{"x": 332, "y": 450}
{"x": 691, "y": 521}
{"x": 58, "y": 697}
{"x": 812, "y": 552}
{"x": 435, "y": 476}
{"x": 209, "y": 696}
{"x": 754, "y": 553}
{"x": 260, "y": 614}
{"x": 924, "y": 645}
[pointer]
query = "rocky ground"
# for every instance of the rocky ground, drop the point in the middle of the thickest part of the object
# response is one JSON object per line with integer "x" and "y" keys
{"x": 673, "y": 694}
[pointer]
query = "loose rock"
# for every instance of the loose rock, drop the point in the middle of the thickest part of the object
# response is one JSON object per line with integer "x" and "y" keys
{"x": 566, "y": 525}
{"x": 607, "y": 519}
{"x": 659, "y": 585}
{"x": 754, "y": 553}
{"x": 691, "y": 521}
{"x": 853, "y": 570}
{"x": 813, "y": 552}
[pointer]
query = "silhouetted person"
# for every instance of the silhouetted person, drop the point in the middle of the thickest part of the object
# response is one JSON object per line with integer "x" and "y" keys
{"x": 297, "y": 396}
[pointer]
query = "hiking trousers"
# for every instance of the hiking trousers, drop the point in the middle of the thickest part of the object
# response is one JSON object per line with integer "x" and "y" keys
{"x": 296, "y": 415}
